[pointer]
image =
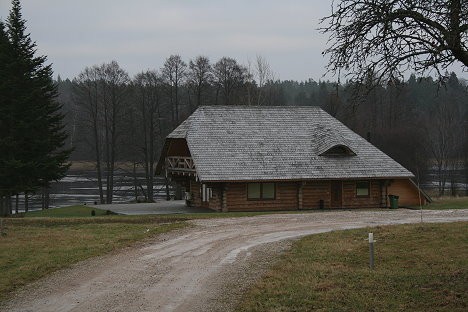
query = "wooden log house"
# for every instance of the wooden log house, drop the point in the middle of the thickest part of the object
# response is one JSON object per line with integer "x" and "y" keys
{"x": 241, "y": 158}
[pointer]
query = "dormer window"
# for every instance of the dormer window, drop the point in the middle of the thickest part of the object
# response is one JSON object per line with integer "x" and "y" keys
{"x": 338, "y": 150}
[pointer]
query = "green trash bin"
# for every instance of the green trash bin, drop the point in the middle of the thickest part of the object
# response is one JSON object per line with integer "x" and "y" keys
{"x": 393, "y": 201}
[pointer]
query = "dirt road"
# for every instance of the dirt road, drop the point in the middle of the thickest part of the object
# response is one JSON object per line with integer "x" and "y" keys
{"x": 203, "y": 268}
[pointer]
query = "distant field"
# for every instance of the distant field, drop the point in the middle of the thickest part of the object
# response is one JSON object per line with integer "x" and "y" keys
{"x": 418, "y": 268}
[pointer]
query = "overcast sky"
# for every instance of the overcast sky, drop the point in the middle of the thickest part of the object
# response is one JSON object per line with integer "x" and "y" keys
{"x": 141, "y": 34}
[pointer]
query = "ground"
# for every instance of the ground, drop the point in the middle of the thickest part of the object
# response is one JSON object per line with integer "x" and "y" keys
{"x": 161, "y": 207}
{"x": 201, "y": 268}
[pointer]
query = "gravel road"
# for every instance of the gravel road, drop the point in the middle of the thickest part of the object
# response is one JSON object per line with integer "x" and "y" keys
{"x": 201, "y": 268}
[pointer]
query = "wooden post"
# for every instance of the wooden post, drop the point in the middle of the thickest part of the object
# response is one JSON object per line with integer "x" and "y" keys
{"x": 371, "y": 250}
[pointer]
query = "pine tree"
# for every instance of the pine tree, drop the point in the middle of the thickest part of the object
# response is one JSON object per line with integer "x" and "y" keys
{"x": 37, "y": 156}
{"x": 6, "y": 140}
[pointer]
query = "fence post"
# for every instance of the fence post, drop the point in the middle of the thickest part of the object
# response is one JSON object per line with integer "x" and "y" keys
{"x": 371, "y": 250}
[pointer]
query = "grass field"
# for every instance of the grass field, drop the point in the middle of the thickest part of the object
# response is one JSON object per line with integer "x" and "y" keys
{"x": 448, "y": 203}
{"x": 36, "y": 246}
{"x": 418, "y": 268}
{"x": 67, "y": 212}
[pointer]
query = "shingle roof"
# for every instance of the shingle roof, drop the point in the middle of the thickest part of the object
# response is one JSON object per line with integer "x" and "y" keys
{"x": 230, "y": 143}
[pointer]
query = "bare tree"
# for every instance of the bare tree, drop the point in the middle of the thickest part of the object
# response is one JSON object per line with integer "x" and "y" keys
{"x": 445, "y": 141}
{"x": 87, "y": 92}
{"x": 229, "y": 76}
{"x": 200, "y": 77}
{"x": 114, "y": 91}
{"x": 101, "y": 91}
{"x": 147, "y": 86}
{"x": 262, "y": 75}
{"x": 174, "y": 73}
{"x": 388, "y": 37}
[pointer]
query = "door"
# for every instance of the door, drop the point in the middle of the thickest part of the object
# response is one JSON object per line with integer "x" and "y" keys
{"x": 336, "y": 200}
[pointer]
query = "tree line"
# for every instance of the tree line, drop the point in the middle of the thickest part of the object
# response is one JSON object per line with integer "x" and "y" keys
{"x": 111, "y": 117}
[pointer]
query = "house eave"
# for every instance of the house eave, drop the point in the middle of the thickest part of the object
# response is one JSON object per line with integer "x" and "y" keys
{"x": 303, "y": 179}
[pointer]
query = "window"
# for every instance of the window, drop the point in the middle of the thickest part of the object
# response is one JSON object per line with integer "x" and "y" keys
{"x": 261, "y": 190}
{"x": 254, "y": 190}
{"x": 268, "y": 190}
{"x": 338, "y": 150}
{"x": 362, "y": 188}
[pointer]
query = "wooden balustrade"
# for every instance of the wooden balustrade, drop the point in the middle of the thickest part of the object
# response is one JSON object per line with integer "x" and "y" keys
{"x": 180, "y": 165}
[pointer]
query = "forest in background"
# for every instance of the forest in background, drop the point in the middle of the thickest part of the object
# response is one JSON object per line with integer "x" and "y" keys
{"x": 111, "y": 117}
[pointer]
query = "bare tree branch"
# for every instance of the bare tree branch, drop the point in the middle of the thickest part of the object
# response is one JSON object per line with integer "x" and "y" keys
{"x": 390, "y": 37}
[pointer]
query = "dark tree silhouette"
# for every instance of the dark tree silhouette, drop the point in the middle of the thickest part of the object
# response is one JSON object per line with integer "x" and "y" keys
{"x": 174, "y": 74}
{"x": 36, "y": 154}
{"x": 388, "y": 37}
{"x": 200, "y": 77}
{"x": 228, "y": 77}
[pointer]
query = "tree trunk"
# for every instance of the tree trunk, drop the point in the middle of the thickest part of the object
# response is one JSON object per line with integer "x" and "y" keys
{"x": 466, "y": 175}
{"x": 176, "y": 103}
{"x": 26, "y": 202}
{"x": 135, "y": 184}
{"x": 16, "y": 203}
{"x": 150, "y": 161}
{"x": 3, "y": 206}
{"x": 10, "y": 206}
{"x": 46, "y": 197}
{"x": 98, "y": 161}
{"x": 168, "y": 195}
{"x": 110, "y": 186}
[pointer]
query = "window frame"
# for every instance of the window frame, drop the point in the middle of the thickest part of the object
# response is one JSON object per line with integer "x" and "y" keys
{"x": 261, "y": 191}
{"x": 368, "y": 182}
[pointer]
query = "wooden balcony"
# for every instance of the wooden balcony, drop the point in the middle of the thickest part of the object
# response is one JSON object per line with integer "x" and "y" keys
{"x": 180, "y": 165}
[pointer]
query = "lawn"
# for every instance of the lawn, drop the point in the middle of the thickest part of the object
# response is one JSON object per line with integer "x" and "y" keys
{"x": 448, "y": 203}
{"x": 36, "y": 246}
{"x": 68, "y": 212}
{"x": 418, "y": 268}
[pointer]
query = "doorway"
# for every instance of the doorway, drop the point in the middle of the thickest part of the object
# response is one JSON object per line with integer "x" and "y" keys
{"x": 336, "y": 200}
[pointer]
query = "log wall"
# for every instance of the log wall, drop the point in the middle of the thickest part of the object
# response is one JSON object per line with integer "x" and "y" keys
{"x": 313, "y": 192}
{"x": 215, "y": 202}
{"x": 407, "y": 192}
{"x": 286, "y": 198}
{"x": 233, "y": 196}
{"x": 350, "y": 200}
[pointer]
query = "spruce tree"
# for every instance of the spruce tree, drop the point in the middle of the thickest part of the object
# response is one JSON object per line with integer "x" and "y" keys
{"x": 37, "y": 134}
{"x": 6, "y": 105}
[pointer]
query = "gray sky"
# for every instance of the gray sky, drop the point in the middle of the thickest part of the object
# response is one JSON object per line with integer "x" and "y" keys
{"x": 141, "y": 34}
